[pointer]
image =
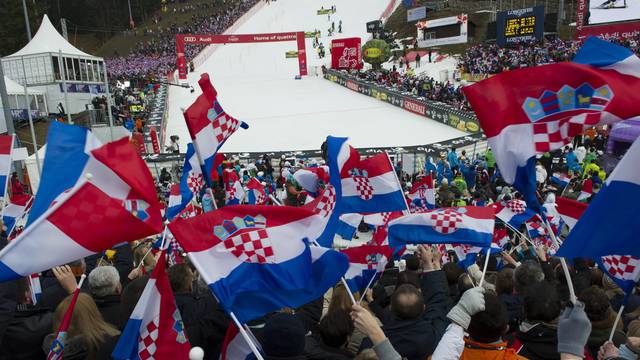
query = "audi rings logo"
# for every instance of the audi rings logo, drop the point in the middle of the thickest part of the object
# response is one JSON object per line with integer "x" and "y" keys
{"x": 190, "y": 38}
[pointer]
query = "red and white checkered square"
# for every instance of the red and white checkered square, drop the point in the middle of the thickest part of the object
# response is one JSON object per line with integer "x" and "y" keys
{"x": 147, "y": 340}
{"x": 364, "y": 188}
{"x": 327, "y": 202}
{"x": 446, "y": 221}
{"x": 517, "y": 206}
{"x": 552, "y": 135}
{"x": 223, "y": 126}
{"x": 623, "y": 267}
{"x": 195, "y": 182}
{"x": 252, "y": 246}
{"x": 260, "y": 198}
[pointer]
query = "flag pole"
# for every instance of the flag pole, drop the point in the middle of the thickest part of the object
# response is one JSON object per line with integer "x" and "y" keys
{"x": 353, "y": 299}
{"x": 393, "y": 169}
{"x": 246, "y": 336}
{"x": 367, "y": 287}
{"x": 563, "y": 262}
{"x": 486, "y": 265}
{"x": 6, "y": 181}
{"x": 615, "y": 323}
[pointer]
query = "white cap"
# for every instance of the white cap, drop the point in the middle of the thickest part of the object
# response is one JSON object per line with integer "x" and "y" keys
{"x": 196, "y": 353}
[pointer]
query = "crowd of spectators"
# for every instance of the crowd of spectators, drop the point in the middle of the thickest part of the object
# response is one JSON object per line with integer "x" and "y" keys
{"x": 157, "y": 56}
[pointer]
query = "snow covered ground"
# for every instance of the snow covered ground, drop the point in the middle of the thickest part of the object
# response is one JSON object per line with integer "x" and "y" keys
{"x": 256, "y": 83}
{"x": 600, "y": 16}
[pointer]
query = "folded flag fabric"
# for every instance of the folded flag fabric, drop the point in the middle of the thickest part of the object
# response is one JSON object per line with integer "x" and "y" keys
{"x": 570, "y": 210}
{"x": 235, "y": 347}
{"x": 120, "y": 201}
{"x": 348, "y": 225}
{"x": 363, "y": 186}
{"x": 255, "y": 192}
{"x": 257, "y": 259}
{"x": 541, "y": 108}
{"x": 587, "y": 190}
{"x": 209, "y": 126}
{"x": 471, "y": 225}
{"x": 57, "y": 346}
{"x": 15, "y": 209}
{"x": 324, "y": 206}
{"x": 422, "y": 195}
{"x": 6, "y": 150}
{"x": 365, "y": 262}
{"x": 592, "y": 236}
{"x": 381, "y": 234}
{"x": 513, "y": 212}
{"x": 310, "y": 178}
{"x": 560, "y": 179}
{"x": 500, "y": 238}
{"x": 233, "y": 190}
{"x": 35, "y": 288}
{"x": 155, "y": 329}
{"x": 191, "y": 183}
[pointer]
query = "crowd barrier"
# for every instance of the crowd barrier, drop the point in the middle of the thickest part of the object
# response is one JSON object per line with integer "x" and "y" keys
{"x": 462, "y": 120}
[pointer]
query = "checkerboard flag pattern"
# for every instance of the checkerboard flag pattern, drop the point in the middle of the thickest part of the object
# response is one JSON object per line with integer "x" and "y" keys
{"x": 540, "y": 109}
{"x": 155, "y": 329}
{"x": 209, "y": 126}
{"x": 93, "y": 216}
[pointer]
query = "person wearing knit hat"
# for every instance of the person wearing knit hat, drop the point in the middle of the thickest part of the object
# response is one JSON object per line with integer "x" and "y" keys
{"x": 283, "y": 338}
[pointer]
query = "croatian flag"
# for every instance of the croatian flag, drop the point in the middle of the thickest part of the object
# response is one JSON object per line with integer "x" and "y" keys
{"x": 6, "y": 148}
{"x": 381, "y": 234}
{"x": 422, "y": 194}
{"x": 513, "y": 212}
{"x": 233, "y": 190}
{"x": 324, "y": 206}
{"x": 15, "y": 210}
{"x": 257, "y": 259}
{"x": 364, "y": 186}
{"x": 235, "y": 347}
{"x": 500, "y": 238}
{"x": 256, "y": 193}
{"x": 592, "y": 236}
{"x": 365, "y": 262}
{"x": 348, "y": 225}
{"x": 587, "y": 190}
{"x": 310, "y": 178}
{"x": 56, "y": 350}
{"x": 560, "y": 179}
{"x": 191, "y": 183}
{"x": 209, "y": 126}
{"x": 35, "y": 288}
{"x": 471, "y": 225}
{"x": 542, "y": 108}
{"x": 570, "y": 210}
{"x": 155, "y": 329}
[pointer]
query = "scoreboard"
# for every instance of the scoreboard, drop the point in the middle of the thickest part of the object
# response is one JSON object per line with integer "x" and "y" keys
{"x": 514, "y": 26}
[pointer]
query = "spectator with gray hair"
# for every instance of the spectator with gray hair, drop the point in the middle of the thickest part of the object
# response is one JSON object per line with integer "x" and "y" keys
{"x": 104, "y": 282}
{"x": 527, "y": 274}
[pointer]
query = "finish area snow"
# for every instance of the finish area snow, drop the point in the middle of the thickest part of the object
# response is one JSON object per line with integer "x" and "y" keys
{"x": 256, "y": 84}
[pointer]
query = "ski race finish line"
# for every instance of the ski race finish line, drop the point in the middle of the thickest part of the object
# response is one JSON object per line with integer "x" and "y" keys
{"x": 187, "y": 39}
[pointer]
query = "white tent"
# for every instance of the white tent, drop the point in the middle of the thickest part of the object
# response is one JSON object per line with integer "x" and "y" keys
{"x": 49, "y": 60}
{"x": 17, "y": 100}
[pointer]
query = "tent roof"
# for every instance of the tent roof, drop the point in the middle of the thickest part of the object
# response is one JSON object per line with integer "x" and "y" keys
{"x": 48, "y": 40}
{"x": 13, "y": 88}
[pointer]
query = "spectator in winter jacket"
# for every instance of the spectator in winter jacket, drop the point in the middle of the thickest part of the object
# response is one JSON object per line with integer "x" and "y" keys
{"x": 460, "y": 183}
{"x": 452, "y": 158}
{"x": 104, "y": 282}
{"x": 602, "y": 317}
{"x": 418, "y": 319}
{"x": 329, "y": 340}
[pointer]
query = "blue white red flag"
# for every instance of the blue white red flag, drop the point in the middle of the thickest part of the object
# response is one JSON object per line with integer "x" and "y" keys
{"x": 560, "y": 179}
{"x": 191, "y": 183}
{"x": 422, "y": 195}
{"x": 570, "y": 210}
{"x": 542, "y": 108}
{"x": 310, "y": 178}
{"x": 6, "y": 150}
{"x": 365, "y": 262}
{"x": 16, "y": 209}
{"x": 35, "y": 288}
{"x": 209, "y": 126}
{"x": 500, "y": 238}
{"x": 233, "y": 190}
{"x": 348, "y": 225}
{"x": 471, "y": 225}
{"x": 235, "y": 347}
{"x": 381, "y": 234}
{"x": 257, "y": 259}
{"x": 56, "y": 350}
{"x": 587, "y": 190}
{"x": 155, "y": 329}
{"x": 513, "y": 212}
{"x": 324, "y": 206}
{"x": 363, "y": 186}
{"x": 256, "y": 194}
{"x": 592, "y": 237}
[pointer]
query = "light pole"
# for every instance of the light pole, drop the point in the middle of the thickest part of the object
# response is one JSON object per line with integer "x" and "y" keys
{"x": 130, "y": 16}
{"x": 26, "y": 18}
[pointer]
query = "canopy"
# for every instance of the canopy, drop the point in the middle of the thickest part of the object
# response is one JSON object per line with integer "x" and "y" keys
{"x": 626, "y": 131}
{"x": 13, "y": 88}
{"x": 49, "y": 40}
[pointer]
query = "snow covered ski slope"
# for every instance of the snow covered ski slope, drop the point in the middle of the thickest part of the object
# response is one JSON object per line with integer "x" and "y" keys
{"x": 256, "y": 84}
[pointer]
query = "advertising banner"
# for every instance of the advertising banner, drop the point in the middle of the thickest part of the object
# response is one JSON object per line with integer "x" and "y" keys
{"x": 619, "y": 20}
{"x": 433, "y": 33}
{"x": 416, "y": 14}
{"x": 346, "y": 54}
{"x": 440, "y": 112}
{"x": 514, "y": 26}
{"x": 154, "y": 140}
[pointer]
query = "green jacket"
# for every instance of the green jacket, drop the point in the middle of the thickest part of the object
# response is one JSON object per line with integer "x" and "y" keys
{"x": 491, "y": 160}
